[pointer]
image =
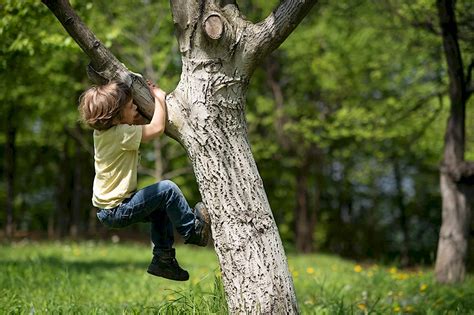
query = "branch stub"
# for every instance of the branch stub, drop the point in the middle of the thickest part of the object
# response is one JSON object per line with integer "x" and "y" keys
{"x": 213, "y": 26}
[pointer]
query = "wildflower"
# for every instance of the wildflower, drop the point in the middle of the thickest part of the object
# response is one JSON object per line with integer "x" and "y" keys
{"x": 423, "y": 287}
{"x": 393, "y": 270}
{"x": 401, "y": 276}
{"x": 408, "y": 309}
{"x": 357, "y": 268}
{"x": 310, "y": 270}
{"x": 362, "y": 306}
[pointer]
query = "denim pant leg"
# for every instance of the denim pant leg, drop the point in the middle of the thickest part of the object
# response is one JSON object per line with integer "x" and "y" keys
{"x": 164, "y": 205}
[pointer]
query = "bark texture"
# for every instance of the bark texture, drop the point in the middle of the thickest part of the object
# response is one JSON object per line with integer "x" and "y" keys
{"x": 456, "y": 174}
{"x": 220, "y": 50}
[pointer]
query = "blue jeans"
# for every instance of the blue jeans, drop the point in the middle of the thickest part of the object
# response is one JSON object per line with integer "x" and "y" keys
{"x": 162, "y": 204}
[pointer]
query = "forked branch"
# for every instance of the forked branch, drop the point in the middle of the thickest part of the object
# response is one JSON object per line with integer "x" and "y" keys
{"x": 267, "y": 35}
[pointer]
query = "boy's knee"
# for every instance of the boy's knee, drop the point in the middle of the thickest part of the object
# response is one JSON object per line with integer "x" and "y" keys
{"x": 169, "y": 185}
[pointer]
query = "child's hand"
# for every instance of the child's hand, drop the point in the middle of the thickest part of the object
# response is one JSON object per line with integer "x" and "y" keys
{"x": 156, "y": 92}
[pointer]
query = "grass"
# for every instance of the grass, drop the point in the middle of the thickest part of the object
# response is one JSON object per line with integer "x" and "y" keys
{"x": 110, "y": 278}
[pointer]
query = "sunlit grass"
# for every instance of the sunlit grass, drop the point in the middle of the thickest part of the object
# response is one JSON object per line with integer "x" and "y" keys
{"x": 110, "y": 278}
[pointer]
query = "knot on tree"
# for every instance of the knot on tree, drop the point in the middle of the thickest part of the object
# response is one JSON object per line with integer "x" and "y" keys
{"x": 461, "y": 173}
{"x": 213, "y": 26}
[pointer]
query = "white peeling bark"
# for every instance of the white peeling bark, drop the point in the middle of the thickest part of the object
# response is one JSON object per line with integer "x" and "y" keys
{"x": 220, "y": 50}
{"x": 253, "y": 264}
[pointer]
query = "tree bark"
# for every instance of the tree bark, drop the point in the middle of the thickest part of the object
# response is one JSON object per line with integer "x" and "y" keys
{"x": 404, "y": 256}
{"x": 454, "y": 234}
{"x": 219, "y": 51}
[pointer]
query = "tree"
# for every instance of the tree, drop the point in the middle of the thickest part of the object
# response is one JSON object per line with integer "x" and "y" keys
{"x": 220, "y": 50}
{"x": 456, "y": 174}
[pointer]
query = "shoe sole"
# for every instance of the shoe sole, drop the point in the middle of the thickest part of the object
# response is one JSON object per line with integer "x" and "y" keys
{"x": 167, "y": 276}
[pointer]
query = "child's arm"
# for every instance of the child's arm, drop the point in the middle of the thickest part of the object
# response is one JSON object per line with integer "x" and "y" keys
{"x": 157, "y": 124}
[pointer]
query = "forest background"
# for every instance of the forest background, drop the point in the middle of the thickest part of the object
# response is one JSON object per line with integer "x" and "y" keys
{"x": 346, "y": 121}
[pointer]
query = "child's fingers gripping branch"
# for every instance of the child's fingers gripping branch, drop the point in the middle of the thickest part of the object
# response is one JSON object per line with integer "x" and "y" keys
{"x": 156, "y": 91}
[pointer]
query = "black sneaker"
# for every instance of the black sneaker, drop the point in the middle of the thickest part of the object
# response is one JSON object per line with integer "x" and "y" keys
{"x": 166, "y": 266}
{"x": 202, "y": 228}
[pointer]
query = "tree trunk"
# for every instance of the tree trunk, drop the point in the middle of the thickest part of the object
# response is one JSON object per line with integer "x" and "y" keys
{"x": 306, "y": 210}
{"x": 454, "y": 233}
{"x": 220, "y": 50}
{"x": 62, "y": 192}
{"x": 302, "y": 240}
{"x": 10, "y": 161}
{"x": 254, "y": 268}
{"x": 305, "y": 214}
{"x": 404, "y": 256}
{"x": 76, "y": 196}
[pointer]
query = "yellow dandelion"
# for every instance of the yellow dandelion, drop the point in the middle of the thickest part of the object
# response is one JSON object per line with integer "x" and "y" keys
{"x": 401, "y": 276}
{"x": 408, "y": 309}
{"x": 393, "y": 270}
{"x": 310, "y": 270}
{"x": 423, "y": 287}
{"x": 362, "y": 306}
{"x": 357, "y": 268}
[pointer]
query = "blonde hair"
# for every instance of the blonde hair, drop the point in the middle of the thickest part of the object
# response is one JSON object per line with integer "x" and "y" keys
{"x": 100, "y": 106}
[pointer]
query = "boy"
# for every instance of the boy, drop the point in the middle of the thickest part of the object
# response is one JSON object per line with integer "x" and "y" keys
{"x": 109, "y": 109}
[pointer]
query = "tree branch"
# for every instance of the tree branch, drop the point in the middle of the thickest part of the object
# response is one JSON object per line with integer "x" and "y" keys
{"x": 104, "y": 65}
{"x": 462, "y": 173}
{"x": 268, "y": 34}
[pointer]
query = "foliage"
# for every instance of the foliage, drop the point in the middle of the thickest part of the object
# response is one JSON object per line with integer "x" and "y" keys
{"x": 104, "y": 278}
{"x": 364, "y": 93}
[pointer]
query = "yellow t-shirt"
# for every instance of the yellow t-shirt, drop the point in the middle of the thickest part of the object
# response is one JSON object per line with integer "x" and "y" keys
{"x": 116, "y": 162}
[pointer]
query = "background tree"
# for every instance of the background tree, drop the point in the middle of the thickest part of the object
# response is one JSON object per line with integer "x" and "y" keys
{"x": 457, "y": 174}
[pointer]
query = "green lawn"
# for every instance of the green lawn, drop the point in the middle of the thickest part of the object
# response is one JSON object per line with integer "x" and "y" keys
{"x": 108, "y": 278}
